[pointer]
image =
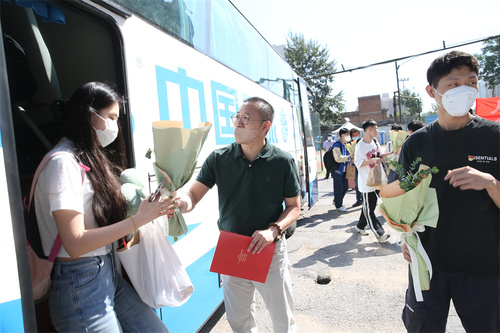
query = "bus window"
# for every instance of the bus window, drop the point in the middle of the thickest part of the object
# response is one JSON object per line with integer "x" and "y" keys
{"x": 185, "y": 19}
{"x": 280, "y": 75}
{"x": 235, "y": 43}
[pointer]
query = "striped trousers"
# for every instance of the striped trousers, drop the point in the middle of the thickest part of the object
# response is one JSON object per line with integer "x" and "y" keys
{"x": 368, "y": 214}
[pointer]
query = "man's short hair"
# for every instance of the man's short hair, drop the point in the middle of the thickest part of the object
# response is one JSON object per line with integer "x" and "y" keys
{"x": 354, "y": 130}
{"x": 266, "y": 110}
{"x": 369, "y": 123}
{"x": 415, "y": 125}
{"x": 396, "y": 127}
{"x": 444, "y": 64}
{"x": 343, "y": 131}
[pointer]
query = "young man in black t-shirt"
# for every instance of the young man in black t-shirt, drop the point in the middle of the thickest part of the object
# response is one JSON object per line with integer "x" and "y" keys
{"x": 464, "y": 248}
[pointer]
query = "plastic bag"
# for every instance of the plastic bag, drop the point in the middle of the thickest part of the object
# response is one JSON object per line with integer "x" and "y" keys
{"x": 154, "y": 268}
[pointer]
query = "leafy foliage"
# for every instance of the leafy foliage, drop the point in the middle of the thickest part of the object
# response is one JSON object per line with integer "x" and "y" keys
{"x": 489, "y": 61}
{"x": 309, "y": 58}
{"x": 413, "y": 103}
{"x": 411, "y": 180}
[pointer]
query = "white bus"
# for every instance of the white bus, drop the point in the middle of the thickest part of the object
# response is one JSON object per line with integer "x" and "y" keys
{"x": 188, "y": 60}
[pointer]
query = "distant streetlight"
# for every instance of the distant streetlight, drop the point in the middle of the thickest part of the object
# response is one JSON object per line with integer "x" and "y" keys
{"x": 404, "y": 79}
{"x": 399, "y": 93}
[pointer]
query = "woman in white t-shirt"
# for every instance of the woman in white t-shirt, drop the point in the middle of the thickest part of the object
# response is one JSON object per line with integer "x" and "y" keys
{"x": 88, "y": 211}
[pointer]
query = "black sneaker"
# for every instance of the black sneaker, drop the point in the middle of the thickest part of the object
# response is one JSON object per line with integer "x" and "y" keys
{"x": 357, "y": 203}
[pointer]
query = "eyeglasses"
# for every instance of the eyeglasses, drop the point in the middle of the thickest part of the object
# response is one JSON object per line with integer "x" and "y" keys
{"x": 244, "y": 119}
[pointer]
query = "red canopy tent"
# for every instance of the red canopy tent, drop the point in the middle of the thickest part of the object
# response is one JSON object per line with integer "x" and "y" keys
{"x": 488, "y": 108}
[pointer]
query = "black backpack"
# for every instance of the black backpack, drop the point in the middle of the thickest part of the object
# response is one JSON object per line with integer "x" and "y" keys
{"x": 329, "y": 161}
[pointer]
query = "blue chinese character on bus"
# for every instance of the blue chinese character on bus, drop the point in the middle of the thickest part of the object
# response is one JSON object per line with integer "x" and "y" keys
{"x": 279, "y": 127}
{"x": 187, "y": 86}
{"x": 225, "y": 104}
{"x": 271, "y": 134}
{"x": 284, "y": 126}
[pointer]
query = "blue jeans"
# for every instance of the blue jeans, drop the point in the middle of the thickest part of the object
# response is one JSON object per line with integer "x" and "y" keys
{"x": 340, "y": 187}
{"x": 88, "y": 295}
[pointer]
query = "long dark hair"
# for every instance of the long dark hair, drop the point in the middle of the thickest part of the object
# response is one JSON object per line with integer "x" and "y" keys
{"x": 108, "y": 205}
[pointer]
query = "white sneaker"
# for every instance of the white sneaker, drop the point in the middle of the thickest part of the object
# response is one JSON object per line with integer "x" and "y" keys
{"x": 342, "y": 209}
{"x": 363, "y": 232}
{"x": 384, "y": 237}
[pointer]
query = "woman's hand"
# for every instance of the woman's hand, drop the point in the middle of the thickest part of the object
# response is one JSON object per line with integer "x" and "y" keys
{"x": 149, "y": 211}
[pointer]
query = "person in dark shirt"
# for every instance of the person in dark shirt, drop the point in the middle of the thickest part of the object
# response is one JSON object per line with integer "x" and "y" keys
{"x": 254, "y": 179}
{"x": 464, "y": 247}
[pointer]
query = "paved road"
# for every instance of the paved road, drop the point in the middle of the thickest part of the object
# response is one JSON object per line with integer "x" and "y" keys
{"x": 368, "y": 279}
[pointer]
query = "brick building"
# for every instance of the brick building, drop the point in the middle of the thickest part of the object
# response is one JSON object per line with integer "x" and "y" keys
{"x": 369, "y": 107}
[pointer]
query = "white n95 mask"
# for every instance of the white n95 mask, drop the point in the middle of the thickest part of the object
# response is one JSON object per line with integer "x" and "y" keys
{"x": 458, "y": 101}
{"x": 109, "y": 134}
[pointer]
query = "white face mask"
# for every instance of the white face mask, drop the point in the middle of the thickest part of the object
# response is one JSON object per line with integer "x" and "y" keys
{"x": 245, "y": 136}
{"x": 109, "y": 134}
{"x": 347, "y": 138}
{"x": 354, "y": 138}
{"x": 458, "y": 101}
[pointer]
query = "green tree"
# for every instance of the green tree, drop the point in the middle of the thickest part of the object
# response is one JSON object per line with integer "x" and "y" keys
{"x": 413, "y": 103}
{"x": 489, "y": 62}
{"x": 434, "y": 110}
{"x": 309, "y": 58}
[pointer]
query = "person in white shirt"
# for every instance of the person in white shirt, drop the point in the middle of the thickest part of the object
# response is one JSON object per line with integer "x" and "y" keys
{"x": 88, "y": 211}
{"x": 368, "y": 154}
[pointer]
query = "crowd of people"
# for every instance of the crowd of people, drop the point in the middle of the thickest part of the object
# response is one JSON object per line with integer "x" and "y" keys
{"x": 87, "y": 210}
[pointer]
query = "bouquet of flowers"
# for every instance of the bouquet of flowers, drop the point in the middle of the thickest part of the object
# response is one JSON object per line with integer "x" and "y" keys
{"x": 176, "y": 151}
{"x": 409, "y": 205}
{"x": 397, "y": 138}
{"x": 351, "y": 146}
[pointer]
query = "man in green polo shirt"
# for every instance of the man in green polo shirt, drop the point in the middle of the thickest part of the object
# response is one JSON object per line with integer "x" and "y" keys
{"x": 253, "y": 179}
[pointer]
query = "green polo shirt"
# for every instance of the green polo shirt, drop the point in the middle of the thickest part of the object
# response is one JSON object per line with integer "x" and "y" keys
{"x": 250, "y": 193}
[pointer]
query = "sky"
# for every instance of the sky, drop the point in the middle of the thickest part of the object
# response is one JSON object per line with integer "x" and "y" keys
{"x": 362, "y": 32}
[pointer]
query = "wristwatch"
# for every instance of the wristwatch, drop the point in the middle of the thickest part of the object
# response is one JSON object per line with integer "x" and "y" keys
{"x": 280, "y": 232}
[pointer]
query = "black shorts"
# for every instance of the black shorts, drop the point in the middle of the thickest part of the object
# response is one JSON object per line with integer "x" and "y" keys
{"x": 476, "y": 300}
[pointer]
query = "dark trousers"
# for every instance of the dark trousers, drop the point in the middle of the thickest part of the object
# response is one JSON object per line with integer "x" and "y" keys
{"x": 476, "y": 301}
{"x": 368, "y": 214}
{"x": 359, "y": 197}
{"x": 340, "y": 188}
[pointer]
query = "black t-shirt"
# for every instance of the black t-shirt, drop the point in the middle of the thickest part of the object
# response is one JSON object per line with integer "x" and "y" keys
{"x": 466, "y": 239}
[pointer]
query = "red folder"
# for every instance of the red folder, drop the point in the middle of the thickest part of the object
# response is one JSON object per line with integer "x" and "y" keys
{"x": 232, "y": 258}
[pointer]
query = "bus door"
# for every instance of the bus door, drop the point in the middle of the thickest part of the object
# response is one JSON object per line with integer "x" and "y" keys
{"x": 306, "y": 107}
{"x": 47, "y": 59}
{"x": 16, "y": 310}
